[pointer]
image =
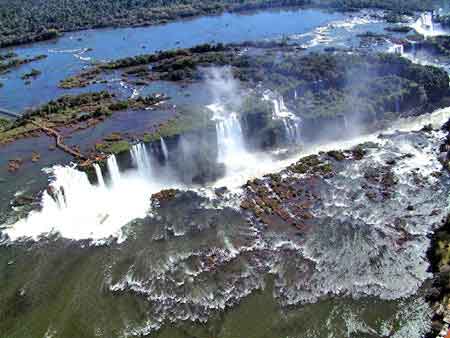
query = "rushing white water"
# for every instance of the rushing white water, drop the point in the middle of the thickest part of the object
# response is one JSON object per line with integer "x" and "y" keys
{"x": 266, "y": 164}
{"x": 291, "y": 122}
{"x": 141, "y": 160}
{"x": 113, "y": 169}
{"x": 239, "y": 162}
{"x": 98, "y": 172}
{"x": 424, "y": 25}
{"x": 353, "y": 249}
{"x": 230, "y": 139}
{"x": 77, "y": 209}
{"x": 164, "y": 149}
{"x": 397, "y": 49}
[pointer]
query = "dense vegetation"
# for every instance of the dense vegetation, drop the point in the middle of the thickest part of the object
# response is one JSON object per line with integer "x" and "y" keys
{"x": 4, "y": 123}
{"x": 71, "y": 110}
{"x": 10, "y": 61}
{"x": 364, "y": 88}
{"x": 23, "y": 21}
{"x": 31, "y": 74}
{"x": 326, "y": 84}
{"x": 444, "y": 20}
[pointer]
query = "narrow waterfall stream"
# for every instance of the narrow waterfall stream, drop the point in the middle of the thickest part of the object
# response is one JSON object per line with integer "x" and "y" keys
{"x": 141, "y": 160}
{"x": 113, "y": 169}
{"x": 164, "y": 149}
{"x": 99, "y": 175}
{"x": 291, "y": 122}
{"x": 230, "y": 139}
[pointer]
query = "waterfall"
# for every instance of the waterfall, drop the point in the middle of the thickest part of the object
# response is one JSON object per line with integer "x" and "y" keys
{"x": 293, "y": 130}
{"x": 291, "y": 122}
{"x": 425, "y": 26}
{"x": 230, "y": 139}
{"x": 426, "y": 21}
{"x": 398, "y": 49}
{"x": 78, "y": 209}
{"x": 98, "y": 172}
{"x": 141, "y": 160}
{"x": 164, "y": 150}
{"x": 113, "y": 169}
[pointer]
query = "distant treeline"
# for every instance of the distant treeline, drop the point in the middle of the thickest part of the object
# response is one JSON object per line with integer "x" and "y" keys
{"x": 23, "y": 21}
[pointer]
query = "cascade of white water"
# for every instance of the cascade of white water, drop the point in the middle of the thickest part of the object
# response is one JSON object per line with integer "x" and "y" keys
{"x": 291, "y": 122}
{"x": 164, "y": 149}
{"x": 399, "y": 49}
{"x": 141, "y": 159}
{"x": 113, "y": 169}
{"x": 230, "y": 139}
{"x": 425, "y": 26}
{"x": 77, "y": 209}
{"x": 293, "y": 130}
{"x": 98, "y": 172}
{"x": 426, "y": 21}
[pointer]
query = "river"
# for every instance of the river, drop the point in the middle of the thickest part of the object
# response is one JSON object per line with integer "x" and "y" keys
{"x": 197, "y": 265}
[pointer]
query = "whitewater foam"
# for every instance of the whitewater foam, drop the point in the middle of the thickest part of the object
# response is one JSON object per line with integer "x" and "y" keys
{"x": 425, "y": 26}
{"x": 74, "y": 208}
{"x": 79, "y": 210}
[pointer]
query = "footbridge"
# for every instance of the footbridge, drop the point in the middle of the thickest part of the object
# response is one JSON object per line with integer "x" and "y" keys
{"x": 9, "y": 113}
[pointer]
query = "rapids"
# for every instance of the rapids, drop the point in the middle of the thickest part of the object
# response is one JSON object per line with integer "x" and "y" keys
{"x": 427, "y": 27}
{"x": 359, "y": 245}
{"x": 81, "y": 210}
{"x": 187, "y": 259}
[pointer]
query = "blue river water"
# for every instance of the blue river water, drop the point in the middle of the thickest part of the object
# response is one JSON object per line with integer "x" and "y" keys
{"x": 68, "y": 55}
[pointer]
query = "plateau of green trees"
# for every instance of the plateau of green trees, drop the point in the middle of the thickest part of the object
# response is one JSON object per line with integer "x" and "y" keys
{"x": 24, "y": 21}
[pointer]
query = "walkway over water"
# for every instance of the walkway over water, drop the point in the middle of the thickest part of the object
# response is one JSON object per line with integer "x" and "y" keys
{"x": 9, "y": 113}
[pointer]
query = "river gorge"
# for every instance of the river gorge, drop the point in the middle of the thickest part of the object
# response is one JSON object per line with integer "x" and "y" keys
{"x": 278, "y": 173}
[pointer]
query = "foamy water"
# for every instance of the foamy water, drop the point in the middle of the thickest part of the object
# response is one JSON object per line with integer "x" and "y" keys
{"x": 77, "y": 209}
{"x": 425, "y": 26}
{"x": 81, "y": 210}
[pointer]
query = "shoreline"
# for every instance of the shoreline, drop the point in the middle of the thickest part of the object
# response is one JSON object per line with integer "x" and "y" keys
{"x": 246, "y": 8}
